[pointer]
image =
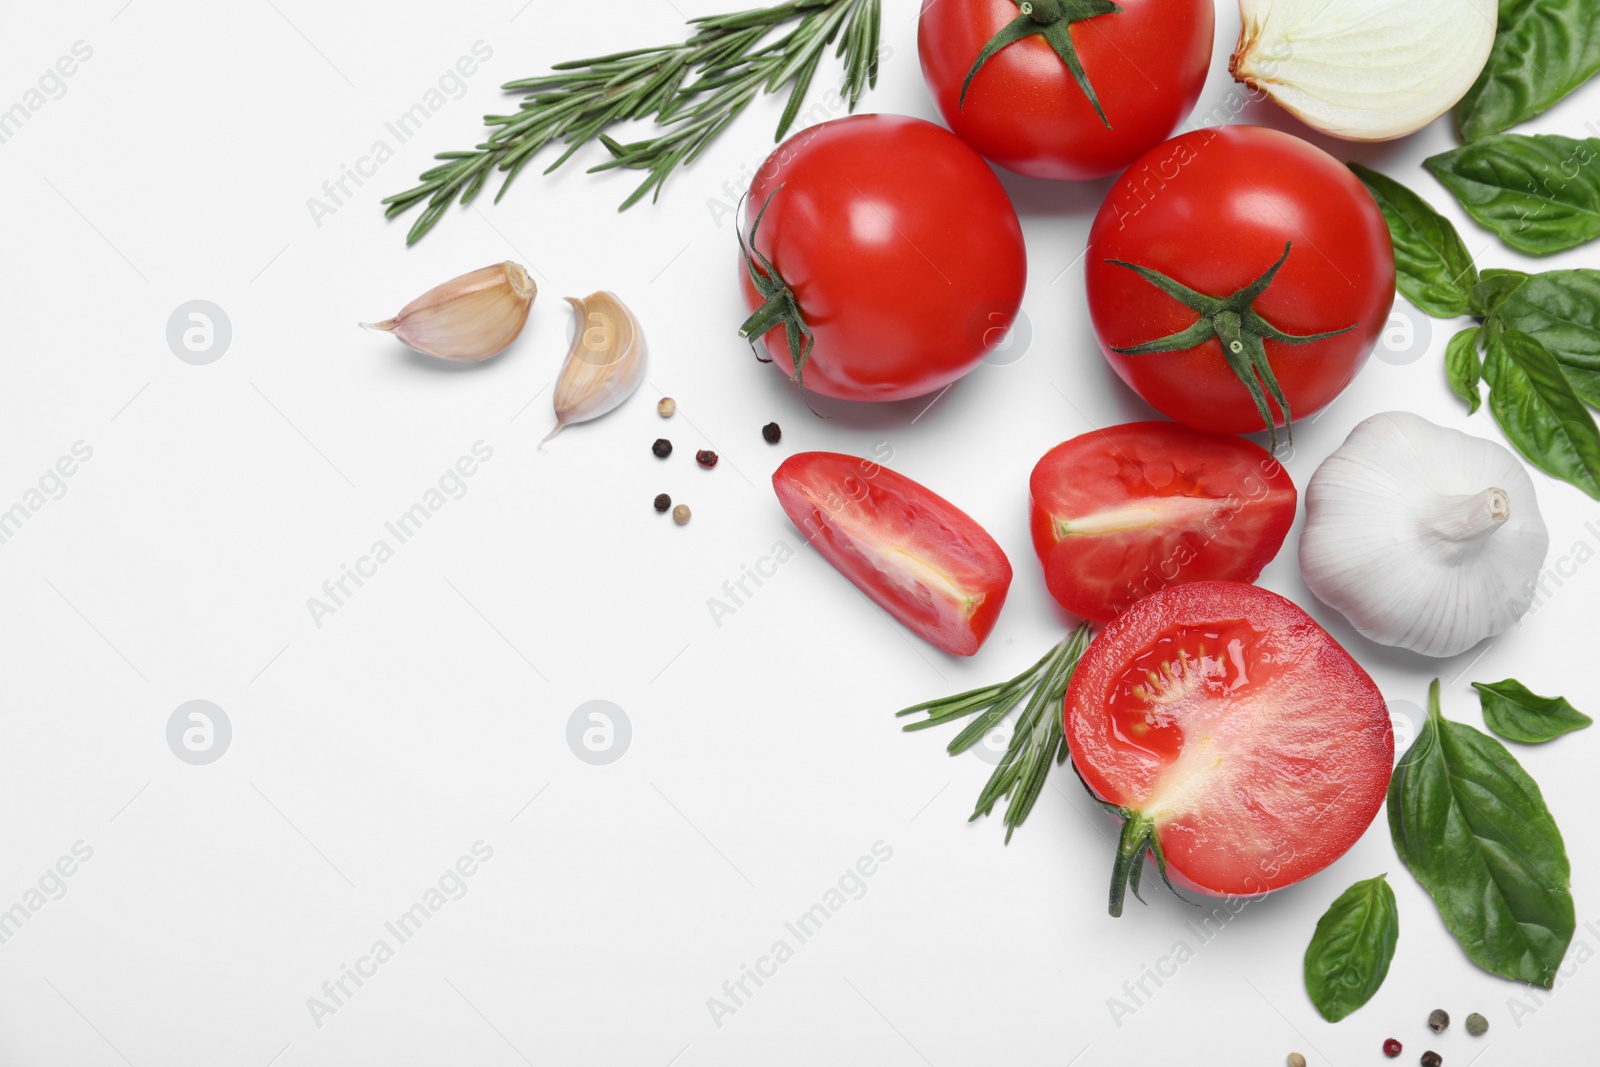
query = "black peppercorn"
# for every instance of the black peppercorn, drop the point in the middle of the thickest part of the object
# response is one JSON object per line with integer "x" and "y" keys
{"x": 706, "y": 458}
{"x": 663, "y": 502}
{"x": 771, "y": 434}
{"x": 1438, "y": 1020}
{"x": 1432, "y": 1059}
{"x": 662, "y": 447}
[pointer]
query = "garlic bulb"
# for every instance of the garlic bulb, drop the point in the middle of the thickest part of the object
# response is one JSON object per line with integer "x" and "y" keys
{"x": 1364, "y": 70}
{"x": 469, "y": 318}
{"x": 1422, "y": 536}
{"x": 605, "y": 363}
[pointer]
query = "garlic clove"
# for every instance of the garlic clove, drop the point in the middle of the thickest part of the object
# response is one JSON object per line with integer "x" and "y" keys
{"x": 467, "y": 319}
{"x": 1364, "y": 70}
{"x": 1423, "y": 537}
{"x": 604, "y": 364}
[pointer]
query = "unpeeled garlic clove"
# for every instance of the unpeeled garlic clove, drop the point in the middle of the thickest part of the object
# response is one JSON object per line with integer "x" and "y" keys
{"x": 1363, "y": 70}
{"x": 605, "y": 363}
{"x": 467, "y": 319}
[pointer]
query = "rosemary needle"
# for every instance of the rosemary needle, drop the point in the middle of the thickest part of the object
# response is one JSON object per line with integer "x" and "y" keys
{"x": 1037, "y": 741}
{"x": 692, "y": 91}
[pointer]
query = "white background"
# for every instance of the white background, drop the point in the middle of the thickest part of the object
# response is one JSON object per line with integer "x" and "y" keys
{"x": 372, "y": 752}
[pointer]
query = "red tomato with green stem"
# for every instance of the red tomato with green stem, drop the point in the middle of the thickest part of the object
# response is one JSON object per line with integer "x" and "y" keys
{"x": 1123, "y": 512}
{"x": 1242, "y": 747}
{"x": 912, "y": 552}
{"x": 883, "y": 260}
{"x": 1238, "y": 277}
{"x": 1065, "y": 89}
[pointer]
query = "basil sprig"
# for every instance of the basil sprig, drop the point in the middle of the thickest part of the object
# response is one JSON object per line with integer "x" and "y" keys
{"x": 1349, "y": 954}
{"x": 1473, "y": 828}
{"x": 1511, "y": 710}
{"x": 1543, "y": 51}
{"x": 1539, "y": 194}
{"x": 1538, "y": 348}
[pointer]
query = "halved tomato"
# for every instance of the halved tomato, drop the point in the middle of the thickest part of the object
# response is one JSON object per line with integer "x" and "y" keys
{"x": 918, "y": 556}
{"x": 1123, "y": 512}
{"x": 1240, "y": 744}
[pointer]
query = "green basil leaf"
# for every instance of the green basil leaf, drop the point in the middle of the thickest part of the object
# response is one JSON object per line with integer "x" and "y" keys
{"x": 1534, "y": 404}
{"x": 1516, "y": 714}
{"x": 1544, "y": 49}
{"x": 1433, "y": 269}
{"x": 1462, "y": 366}
{"x": 1494, "y": 287}
{"x": 1540, "y": 194}
{"x": 1349, "y": 955}
{"x": 1474, "y": 830}
{"x": 1562, "y": 309}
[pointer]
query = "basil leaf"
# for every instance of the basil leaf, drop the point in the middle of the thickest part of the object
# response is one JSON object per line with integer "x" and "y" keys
{"x": 1534, "y": 404}
{"x": 1494, "y": 287}
{"x": 1349, "y": 955}
{"x": 1516, "y": 714}
{"x": 1540, "y": 194}
{"x": 1463, "y": 368}
{"x": 1433, "y": 269}
{"x": 1544, "y": 49}
{"x": 1562, "y": 309}
{"x": 1474, "y": 830}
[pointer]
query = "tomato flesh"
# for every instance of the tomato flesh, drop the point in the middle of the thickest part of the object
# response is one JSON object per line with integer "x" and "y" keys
{"x": 1122, "y": 512}
{"x": 1222, "y": 716}
{"x": 916, "y": 555}
{"x": 901, "y": 248}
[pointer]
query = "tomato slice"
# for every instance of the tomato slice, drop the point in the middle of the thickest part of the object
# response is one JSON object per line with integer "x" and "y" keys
{"x": 918, "y": 556}
{"x": 1122, "y": 512}
{"x": 1241, "y": 744}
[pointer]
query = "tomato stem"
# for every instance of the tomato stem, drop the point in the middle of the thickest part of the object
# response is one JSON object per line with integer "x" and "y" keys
{"x": 779, "y": 304}
{"x": 1137, "y": 833}
{"x": 1239, "y": 329}
{"x": 1052, "y": 20}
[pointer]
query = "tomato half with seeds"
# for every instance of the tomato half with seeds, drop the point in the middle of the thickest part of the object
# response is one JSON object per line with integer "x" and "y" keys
{"x": 915, "y": 554}
{"x": 1241, "y": 745}
{"x": 883, "y": 259}
{"x": 1123, "y": 512}
{"x": 1065, "y": 89}
{"x": 1238, "y": 277}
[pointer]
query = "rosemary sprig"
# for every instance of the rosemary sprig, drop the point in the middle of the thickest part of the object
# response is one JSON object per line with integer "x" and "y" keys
{"x": 693, "y": 91}
{"x": 1036, "y": 742}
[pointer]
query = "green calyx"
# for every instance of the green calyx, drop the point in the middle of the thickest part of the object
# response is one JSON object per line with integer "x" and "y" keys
{"x": 779, "y": 305}
{"x": 1240, "y": 329}
{"x": 1138, "y": 841}
{"x": 1052, "y": 20}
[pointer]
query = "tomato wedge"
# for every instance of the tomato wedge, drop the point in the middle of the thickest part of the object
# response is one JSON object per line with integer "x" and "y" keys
{"x": 918, "y": 556}
{"x": 1122, "y": 512}
{"x": 1241, "y": 745}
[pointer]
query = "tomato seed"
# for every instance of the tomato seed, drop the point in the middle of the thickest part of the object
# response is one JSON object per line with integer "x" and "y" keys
{"x": 680, "y": 514}
{"x": 1431, "y": 1059}
{"x": 662, "y": 447}
{"x": 663, "y": 502}
{"x": 1477, "y": 1025}
{"x": 706, "y": 458}
{"x": 666, "y": 406}
{"x": 1438, "y": 1020}
{"x": 771, "y": 434}
{"x": 1391, "y": 1048}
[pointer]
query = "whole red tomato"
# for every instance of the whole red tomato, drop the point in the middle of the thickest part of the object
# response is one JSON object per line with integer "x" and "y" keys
{"x": 1237, "y": 271}
{"x": 1144, "y": 61}
{"x": 887, "y": 253}
{"x": 1242, "y": 746}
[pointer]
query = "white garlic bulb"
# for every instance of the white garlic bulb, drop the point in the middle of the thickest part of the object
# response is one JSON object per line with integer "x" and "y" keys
{"x": 1364, "y": 70}
{"x": 1422, "y": 536}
